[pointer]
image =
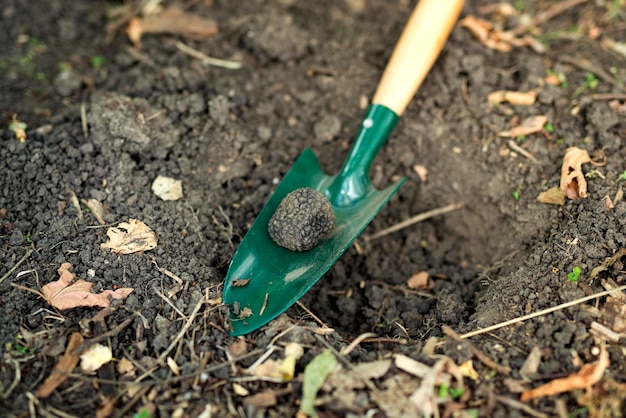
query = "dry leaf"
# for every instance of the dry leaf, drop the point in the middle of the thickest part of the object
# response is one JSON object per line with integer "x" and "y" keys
{"x": 586, "y": 377}
{"x": 573, "y": 182}
{"x": 522, "y": 98}
{"x": 130, "y": 237}
{"x": 528, "y": 126}
{"x": 421, "y": 171}
{"x": 171, "y": 363}
{"x": 65, "y": 294}
{"x": 173, "y": 21}
{"x": 125, "y": 366}
{"x": 502, "y": 41}
{"x": 64, "y": 367}
{"x": 19, "y": 129}
{"x": 95, "y": 357}
{"x": 418, "y": 281}
{"x": 97, "y": 209}
{"x": 467, "y": 370}
{"x": 552, "y": 196}
{"x": 238, "y": 348}
{"x": 240, "y": 390}
{"x": 261, "y": 400}
{"x": 167, "y": 188}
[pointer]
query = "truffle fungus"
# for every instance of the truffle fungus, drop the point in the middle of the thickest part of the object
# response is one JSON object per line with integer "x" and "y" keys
{"x": 301, "y": 220}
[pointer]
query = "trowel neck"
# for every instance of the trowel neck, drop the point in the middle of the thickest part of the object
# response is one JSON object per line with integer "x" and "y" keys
{"x": 352, "y": 182}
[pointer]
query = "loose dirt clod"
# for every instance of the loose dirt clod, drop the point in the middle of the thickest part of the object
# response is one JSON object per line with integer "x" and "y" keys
{"x": 301, "y": 220}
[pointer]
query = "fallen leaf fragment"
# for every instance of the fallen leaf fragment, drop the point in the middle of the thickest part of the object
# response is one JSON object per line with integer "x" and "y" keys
{"x": 573, "y": 182}
{"x": 503, "y": 41}
{"x": 418, "y": 281}
{"x": 173, "y": 21}
{"x": 66, "y": 294}
{"x": 418, "y": 369}
{"x": 130, "y": 237}
{"x": 467, "y": 370}
{"x": 586, "y": 377}
{"x": 529, "y": 126}
{"x": 281, "y": 369}
{"x": 95, "y": 357}
{"x": 552, "y": 196}
{"x": 421, "y": 171}
{"x": 315, "y": 373}
{"x": 522, "y": 98}
{"x": 64, "y": 367}
{"x": 167, "y": 188}
{"x": 262, "y": 400}
{"x": 97, "y": 209}
{"x": 19, "y": 129}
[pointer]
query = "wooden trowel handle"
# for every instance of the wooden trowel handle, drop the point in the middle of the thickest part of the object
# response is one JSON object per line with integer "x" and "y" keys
{"x": 416, "y": 51}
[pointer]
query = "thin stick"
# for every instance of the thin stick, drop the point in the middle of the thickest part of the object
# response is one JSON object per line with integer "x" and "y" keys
{"x": 182, "y": 332}
{"x": 215, "y": 62}
{"x": 551, "y": 12}
{"x": 83, "y": 120}
{"x": 8, "y": 273}
{"x": 540, "y": 313}
{"x": 169, "y": 302}
{"x": 484, "y": 358}
{"x": 415, "y": 219}
{"x": 522, "y": 151}
{"x": 521, "y": 406}
{"x": 307, "y": 310}
{"x": 358, "y": 340}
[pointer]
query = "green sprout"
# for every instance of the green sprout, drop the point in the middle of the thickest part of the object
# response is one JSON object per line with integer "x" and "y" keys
{"x": 517, "y": 193}
{"x": 28, "y": 239}
{"x": 591, "y": 82}
{"x": 549, "y": 127}
{"x": 594, "y": 174}
{"x": 622, "y": 177}
{"x": 97, "y": 61}
{"x": 574, "y": 275}
{"x": 446, "y": 391}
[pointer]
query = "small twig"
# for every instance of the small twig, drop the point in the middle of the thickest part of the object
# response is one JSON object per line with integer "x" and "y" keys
{"x": 358, "y": 340}
{"x": 521, "y": 406}
{"x": 102, "y": 337}
{"x": 540, "y": 313}
{"x": 182, "y": 332}
{"x": 16, "y": 379}
{"x": 83, "y": 120}
{"x": 415, "y": 219}
{"x": 522, "y": 151}
{"x": 267, "y": 296}
{"x": 307, "y": 310}
{"x": 484, "y": 358}
{"x": 169, "y": 302}
{"x": 550, "y": 13}
{"x": 401, "y": 341}
{"x": 608, "y": 96}
{"x": 20, "y": 261}
{"x": 215, "y": 62}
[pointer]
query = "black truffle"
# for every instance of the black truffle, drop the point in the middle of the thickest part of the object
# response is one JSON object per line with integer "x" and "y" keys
{"x": 301, "y": 220}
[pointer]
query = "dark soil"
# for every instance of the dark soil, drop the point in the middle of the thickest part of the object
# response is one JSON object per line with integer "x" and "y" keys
{"x": 230, "y": 135}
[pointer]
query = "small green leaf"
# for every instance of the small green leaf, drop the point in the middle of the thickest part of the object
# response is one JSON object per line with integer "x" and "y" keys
{"x": 574, "y": 275}
{"x": 315, "y": 374}
{"x": 548, "y": 127}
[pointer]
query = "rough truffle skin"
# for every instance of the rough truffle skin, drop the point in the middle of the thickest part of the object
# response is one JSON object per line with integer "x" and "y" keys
{"x": 301, "y": 220}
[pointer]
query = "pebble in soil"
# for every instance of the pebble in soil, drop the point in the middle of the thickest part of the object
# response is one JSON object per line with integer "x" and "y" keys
{"x": 302, "y": 219}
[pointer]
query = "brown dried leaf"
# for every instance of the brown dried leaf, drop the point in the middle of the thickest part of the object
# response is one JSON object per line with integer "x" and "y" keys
{"x": 64, "y": 367}
{"x": 503, "y": 41}
{"x": 586, "y": 377}
{"x": 130, "y": 237}
{"x": 418, "y": 281}
{"x": 173, "y": 21}
{"x": 573, "y": 182}
{"x": 552, "y": 196}
{"x": 522, "y": 98}
{"x": 63, "y": 294}
{"x": 528, "y": 126}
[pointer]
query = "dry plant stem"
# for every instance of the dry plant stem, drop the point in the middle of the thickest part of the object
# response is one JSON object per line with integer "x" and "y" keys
{"x": 83, "y": 120}
{"x": 484, "y": 358}
{"x": 586, "y": 65}
{"x": 522, "y": 151}
{"x": 182, "y": 332}
{"x": 415, "y": 219}
{"x": 552, "y": 12}
{"x": 169, "y": 302}
{"x": 16, "y": 379}
{"x": 347, "y": 350}
{"x": 307, "y": 310}
{"x": 608, "y": 96}
{"x": 401, "y": 341}
{"x": 520, "y": 405}
{"x": 215, "y": 62}
{"x": 21, "y": 260}
{"x": 541, "y": 313}
{"x": 104, "y": 336}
